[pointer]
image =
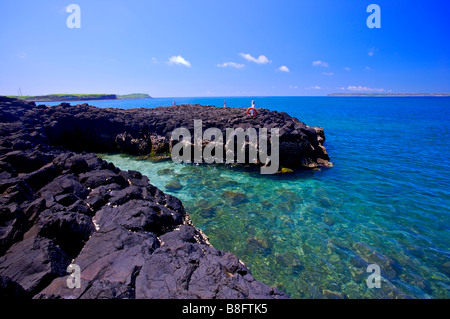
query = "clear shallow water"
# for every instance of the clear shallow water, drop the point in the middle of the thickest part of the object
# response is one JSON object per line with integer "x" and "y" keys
{"x": 312, "y": 234}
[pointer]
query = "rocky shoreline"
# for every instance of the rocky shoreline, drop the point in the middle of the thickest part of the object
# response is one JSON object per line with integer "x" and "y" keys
{"x": 61, "y": 205}
{"x": 148, "y": 131}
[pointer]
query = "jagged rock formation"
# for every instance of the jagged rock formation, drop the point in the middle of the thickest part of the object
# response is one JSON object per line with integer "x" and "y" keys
{"x": 145, "y": 131}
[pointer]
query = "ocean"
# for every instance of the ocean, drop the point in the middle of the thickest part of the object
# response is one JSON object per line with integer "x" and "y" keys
{"x": 313, "y": 234}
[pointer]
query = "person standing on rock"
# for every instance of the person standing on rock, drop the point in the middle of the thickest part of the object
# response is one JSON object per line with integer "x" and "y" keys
{"x": 252, "y": 110}
{"x": 224, "y": 103}
{"x": 173, "y": 103}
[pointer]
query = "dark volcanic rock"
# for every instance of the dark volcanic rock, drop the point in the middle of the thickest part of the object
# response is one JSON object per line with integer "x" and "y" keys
{"x": 41, "y": 177}
{"x": 140, "y": 215}
{"x": 98, "y": 178}
{"x": 64, "y": 184}
{"x": 33, "y": 263}
{"x": 185, "y": 267}
{"x": 145, "y": 131}
{"x": 109, "y": 264}
{"x": 69, "y": 230}
{"x": 25, "y": 161}
{"x": 130, "y": 239}
{"x": 9, "y": 287}
{"x": 12, "y": 225}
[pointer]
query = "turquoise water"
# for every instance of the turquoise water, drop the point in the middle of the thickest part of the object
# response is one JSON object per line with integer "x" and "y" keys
{"x": 312, "y": 234}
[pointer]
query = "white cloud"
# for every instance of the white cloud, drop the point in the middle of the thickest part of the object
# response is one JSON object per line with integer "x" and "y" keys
{"x": 328, "y": 73}
{"x": 231, "y": 65}
{"x": 316, "y": 87}
{"x": 371, "y": 51}
{"x": 293, "y": 86}
{"x": 154, "y": 60}
{"x": 179, "y": 60}
{"x": 262, "y": 59}
{"x": 347, "y": 68}
{"x": 363, "y": 89}
{"x": 283, "y": 68}
{"x": 320, "y": 63}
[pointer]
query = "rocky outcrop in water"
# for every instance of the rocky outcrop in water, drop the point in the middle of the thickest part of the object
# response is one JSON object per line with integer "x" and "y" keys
{"x": 145, "y": 131}
{"x": 61, "y": 206}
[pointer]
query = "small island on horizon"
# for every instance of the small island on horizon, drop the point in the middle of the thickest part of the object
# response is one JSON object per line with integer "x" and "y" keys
{"x": 391, "y": 94}
{"x": 80, "y": 97}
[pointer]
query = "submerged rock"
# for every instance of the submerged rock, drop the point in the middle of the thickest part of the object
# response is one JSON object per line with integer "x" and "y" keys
{"x": 445, "y": 267}
{"x": 329, "y": 220}
{"x": 166, "y": 171}
{"x": 389, "y": 268}
{"x": 259, "y": 244}
{"x": 328, "y": 294}
{"x": 174, "y": 186}
{"x": 234, "y": 198}
{"x": 289, "y": 260}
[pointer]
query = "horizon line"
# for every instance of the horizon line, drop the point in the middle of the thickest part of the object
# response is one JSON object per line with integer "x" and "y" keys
{"x": 237, "y": 96}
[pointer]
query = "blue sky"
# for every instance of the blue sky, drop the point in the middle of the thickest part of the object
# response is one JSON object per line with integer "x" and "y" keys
{"x": 224, "y": 48}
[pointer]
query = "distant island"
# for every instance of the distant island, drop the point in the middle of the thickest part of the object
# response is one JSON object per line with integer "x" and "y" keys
{"x": 80, "y": 97}
{"x": 391, "y": 94}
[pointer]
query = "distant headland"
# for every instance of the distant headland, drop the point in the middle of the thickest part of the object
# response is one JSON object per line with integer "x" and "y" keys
{"x": 391, "y": 94}
{"x": 80, "y": 97}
